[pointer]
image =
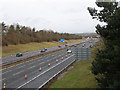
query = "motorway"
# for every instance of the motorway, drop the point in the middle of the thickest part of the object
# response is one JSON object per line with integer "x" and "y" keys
{"x": 14, "y": 76}
{"x": 13, "y": 58}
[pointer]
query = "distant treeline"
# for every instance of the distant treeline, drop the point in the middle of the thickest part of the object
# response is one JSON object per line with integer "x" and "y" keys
{"x": 93, "y": 35}
{"x": 17, "y": 34}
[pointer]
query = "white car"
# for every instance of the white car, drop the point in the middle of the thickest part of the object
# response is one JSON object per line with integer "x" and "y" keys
{"x": 69, "y": 51}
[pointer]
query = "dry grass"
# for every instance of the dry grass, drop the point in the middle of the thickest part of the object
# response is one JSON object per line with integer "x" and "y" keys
{"x": 13, "y": 49}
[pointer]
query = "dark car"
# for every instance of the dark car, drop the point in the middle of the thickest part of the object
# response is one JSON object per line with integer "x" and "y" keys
{"x": 45, "y": 49}
{"x": 66, "y": 45}
{"x": 19, "y": 54}
{"x": 68, "y": 49}
{"x": 83, "y": 45}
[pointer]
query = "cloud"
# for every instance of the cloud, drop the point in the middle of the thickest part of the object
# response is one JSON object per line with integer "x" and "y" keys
{"x": 59, "y": 15}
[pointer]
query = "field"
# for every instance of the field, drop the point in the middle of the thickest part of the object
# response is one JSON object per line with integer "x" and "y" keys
{"x": 20, "y": 48}
{"x": 79, "y": 76}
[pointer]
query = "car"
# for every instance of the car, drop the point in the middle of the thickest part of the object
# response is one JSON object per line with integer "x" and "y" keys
{"x": 69, "y": 51}
{"x": 59, "y": 46}
{"x": 45, "y": 49}
{"x": 19, "y": 54}
{"x": 83, "y": 45}
{"x": 66, "y": 45}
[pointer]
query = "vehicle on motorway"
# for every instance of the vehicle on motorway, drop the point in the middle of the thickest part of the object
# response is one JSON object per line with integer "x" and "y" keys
{"x": 59, "y": 46}
{"x": 19, "y": 54}
{"x": 69, "y": 51}
{"x": 48, "y": 64}
{"x": 45, "y": 49}
{"x": 66, "y": 45}
{"x": 83, "y": 44}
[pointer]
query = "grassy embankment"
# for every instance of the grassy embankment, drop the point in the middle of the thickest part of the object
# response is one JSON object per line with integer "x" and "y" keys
{"x": 80, "y": 75}
{"x": 13, "y": 49}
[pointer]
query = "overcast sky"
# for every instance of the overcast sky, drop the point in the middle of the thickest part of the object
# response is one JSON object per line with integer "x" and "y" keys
{"x": 69, "y": 16}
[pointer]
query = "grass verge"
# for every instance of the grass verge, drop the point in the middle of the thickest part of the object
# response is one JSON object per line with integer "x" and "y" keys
{"x": 13, "y": 49}
{"x": 79, "y": 76}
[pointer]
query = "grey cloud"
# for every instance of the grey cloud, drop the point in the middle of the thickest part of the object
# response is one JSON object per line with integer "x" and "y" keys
{"x": 58, "y": 15}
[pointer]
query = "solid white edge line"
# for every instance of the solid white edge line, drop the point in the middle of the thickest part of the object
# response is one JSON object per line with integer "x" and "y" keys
{"x": 41, "y": 74}
{"x": 54, "y": 75}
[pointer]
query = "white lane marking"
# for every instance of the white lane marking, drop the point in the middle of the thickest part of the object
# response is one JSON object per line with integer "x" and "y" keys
{"x": 41, "y": 74}
{"x": 28, "y": 68}
{"x": 21, "y": 66}
{"x": 23, "y": 70}
{"x": 31, "y": 67}
{"x": 28, "y": 64}
{"x": 18, "y": 64}
{"x": 17, "y": 73}
{"x": 6, "y": 71}
{"x": 55, "y": 75}
{"x": 31, "y": 62}
{"x": 23, "y": 63}
{"x": 41, "y": 63}
{"x": 3, "y": 79}
{"x": 18, "y": 67}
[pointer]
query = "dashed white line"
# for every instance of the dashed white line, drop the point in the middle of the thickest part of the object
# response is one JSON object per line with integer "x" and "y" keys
{"x": 6, "y": 72}
{"x": 41, "y": 63}
{"x": 21, "y": 66}
{"x": 17, "y": 73}
{"x": 31, "y": 67}
{"x": 18, "y": 65}
{"x": 41, "y": 74}
{"x": 48, "y": 60}
{"x": 3, "y": 78}
{"x": 55, "y": 75}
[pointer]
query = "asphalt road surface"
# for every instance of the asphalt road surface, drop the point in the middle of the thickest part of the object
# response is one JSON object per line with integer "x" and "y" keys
{"x": 14, "y": 77}
{"x": 13, "y": 58}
